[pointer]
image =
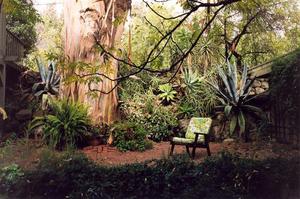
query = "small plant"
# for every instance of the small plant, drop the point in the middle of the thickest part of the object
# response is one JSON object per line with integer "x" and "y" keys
{"x": 234, "y": 97}
{"x": 185, "y": 110}
{"x": 3, "y": 113}
{"x": 192, "y": 82}
{"x": 10, "y": 175}
{"x": 50, "y": 80}
{"x": 129, "y": 136}
{"x": 66, "y": 126}
{"x": 167, "y": 93}
{"x": 49, "y": 85}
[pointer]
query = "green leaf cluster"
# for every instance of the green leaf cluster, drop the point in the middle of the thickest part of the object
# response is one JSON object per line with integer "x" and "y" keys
{"x": 66, "y": 126}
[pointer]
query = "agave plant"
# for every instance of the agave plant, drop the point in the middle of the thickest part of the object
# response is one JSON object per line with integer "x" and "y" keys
{"x": 191, "y": 80}
{"x": 167, "y": 92}
{"x": 234, "y": 97}
{"x": 3, "y": 113}
{"x": 50, "y": 80}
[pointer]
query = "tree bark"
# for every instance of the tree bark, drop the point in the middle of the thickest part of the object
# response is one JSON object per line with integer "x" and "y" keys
{"x": 86, "y": 23}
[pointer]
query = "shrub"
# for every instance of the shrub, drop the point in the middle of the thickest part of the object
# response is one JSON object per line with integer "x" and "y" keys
{"x": 285, "y": 87}
{"x": 66, "y": 126}
{"x": 129, "y": 136}
{"x": 145, "y": 110}
{"x": 223, "y": 176}
{"x": 194, "y": 89}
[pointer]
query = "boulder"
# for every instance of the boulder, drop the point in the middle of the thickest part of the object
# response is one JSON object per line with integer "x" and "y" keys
{"x": 265, "y": 85}
{"x": 259, "y": 90}
{"x": 24, "y": 114}
{"x": 256, "y": 83}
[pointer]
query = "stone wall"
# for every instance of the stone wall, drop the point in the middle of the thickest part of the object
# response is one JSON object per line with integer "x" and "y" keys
{"x": 260, "y": 85}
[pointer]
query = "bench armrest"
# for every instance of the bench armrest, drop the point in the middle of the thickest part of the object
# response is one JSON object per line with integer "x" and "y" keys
{"x": 197, "y": 136}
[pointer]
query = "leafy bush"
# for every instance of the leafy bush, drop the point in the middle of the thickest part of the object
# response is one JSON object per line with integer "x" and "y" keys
{"x": 145, "y": 110}
{"x": 194, "y": 89}
{"x": 285, "y": 87}
{"x": 129, "y": 136}
{"x": 66, "y": 126}
{"x": 223, "y": 176}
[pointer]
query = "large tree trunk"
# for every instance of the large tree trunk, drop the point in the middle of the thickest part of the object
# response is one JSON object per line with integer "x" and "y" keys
{"x": 85, "y": 22}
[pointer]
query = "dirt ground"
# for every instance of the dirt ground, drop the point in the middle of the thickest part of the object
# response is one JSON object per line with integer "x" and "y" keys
{"x": 28, "y": 154}
{"x": 111, "y": 156}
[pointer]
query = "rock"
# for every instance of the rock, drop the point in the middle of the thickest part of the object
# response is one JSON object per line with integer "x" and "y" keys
{"x": 256, "y": 83}
{"x": 259, "y": 90}
{"x": 24, "y": 114}
{"x": 228, "y": 140}
{"x": 252, "y": 93}
{"x": 265, "y": 85}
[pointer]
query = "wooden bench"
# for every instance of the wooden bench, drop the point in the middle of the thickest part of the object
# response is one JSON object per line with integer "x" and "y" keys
{"x": 197, "y": 136}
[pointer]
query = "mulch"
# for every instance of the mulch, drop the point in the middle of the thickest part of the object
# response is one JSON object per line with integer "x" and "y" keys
{"x": 108, "y": 155}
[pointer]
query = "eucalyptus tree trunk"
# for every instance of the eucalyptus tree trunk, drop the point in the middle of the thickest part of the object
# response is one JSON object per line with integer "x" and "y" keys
{"x": 86, "y": 22}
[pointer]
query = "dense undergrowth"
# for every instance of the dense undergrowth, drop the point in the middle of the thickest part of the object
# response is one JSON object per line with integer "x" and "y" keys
{"x": 223, "y": 176}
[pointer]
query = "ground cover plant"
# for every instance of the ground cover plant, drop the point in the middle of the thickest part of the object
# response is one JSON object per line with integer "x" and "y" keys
{"x": 222, "y": 176}
{"x": 66, "y": 125}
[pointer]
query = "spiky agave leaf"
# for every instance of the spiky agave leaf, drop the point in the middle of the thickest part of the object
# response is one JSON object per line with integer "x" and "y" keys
{"x": 227, "y": 110}
{"x": 3, "y": 113}
{"x": 241, "y": 121}
{"x": 233, "y": 123}
{"x": 226, "y": 83}
{"x": 42, "y": 69}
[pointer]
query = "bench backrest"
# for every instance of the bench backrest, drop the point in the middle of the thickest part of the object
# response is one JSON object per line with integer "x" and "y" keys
{"x": 198, "y": 125}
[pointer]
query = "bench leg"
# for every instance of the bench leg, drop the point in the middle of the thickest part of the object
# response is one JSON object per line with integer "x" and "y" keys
{"x": 194, "y": 152}
{"x": 172, "y": 149}
{"x": 188, "y": 150}
{"x": 208, "y": 150}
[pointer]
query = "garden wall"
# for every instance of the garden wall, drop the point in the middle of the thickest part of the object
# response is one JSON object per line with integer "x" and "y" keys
{"x": 278, "y": 87}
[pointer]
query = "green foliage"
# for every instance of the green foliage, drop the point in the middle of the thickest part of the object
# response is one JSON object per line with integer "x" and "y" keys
{"x": 185, "y": 110}
{"x": 21, "y": 20}
{"x": 10, "y": 175}
{"x": 285, "y": 86}
{"x": 168, "y": 94}
{"x": 145, "y": 109}
{"x": 234, "y": 96}
{"x": 66, "y": 126}
{"x": 222, "y": 176}
{"x": 191, "y": 81}
{"x": 50, "y": 80}
{"x": 129, "y": 136}
{"x": 194, "y": 89}
{"x": 50, "y": 44}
